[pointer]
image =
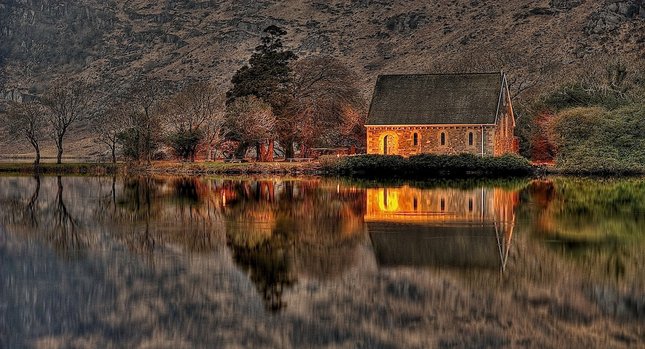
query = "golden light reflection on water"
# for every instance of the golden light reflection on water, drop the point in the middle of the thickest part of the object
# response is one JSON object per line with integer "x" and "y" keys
{"x": 442, "y": 226}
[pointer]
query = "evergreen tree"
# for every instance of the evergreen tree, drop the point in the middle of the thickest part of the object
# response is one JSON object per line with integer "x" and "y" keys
{"x": 267, "y": 75}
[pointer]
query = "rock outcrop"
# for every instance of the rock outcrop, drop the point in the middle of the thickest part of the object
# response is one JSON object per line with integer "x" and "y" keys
{"x": 614, "y": 13}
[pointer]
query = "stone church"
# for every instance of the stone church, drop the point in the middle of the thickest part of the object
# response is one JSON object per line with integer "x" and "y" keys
{"x": 441, "y": 114}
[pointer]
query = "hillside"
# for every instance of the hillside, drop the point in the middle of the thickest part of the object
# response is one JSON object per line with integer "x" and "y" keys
{"x": 537, "y": 42}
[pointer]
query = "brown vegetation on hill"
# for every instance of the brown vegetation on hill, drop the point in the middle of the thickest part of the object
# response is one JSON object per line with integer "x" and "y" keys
{"x": 110, "y": 42}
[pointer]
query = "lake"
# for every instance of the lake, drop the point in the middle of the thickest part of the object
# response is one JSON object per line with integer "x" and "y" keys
{"x": 236, "y": 262}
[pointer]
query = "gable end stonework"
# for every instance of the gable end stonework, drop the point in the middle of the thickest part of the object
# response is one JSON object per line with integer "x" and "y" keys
{"x": 441, "y": 114}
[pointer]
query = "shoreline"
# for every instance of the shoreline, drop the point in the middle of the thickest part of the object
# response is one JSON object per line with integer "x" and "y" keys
{"x": 313, "y": 168}
{"x": 85, "y": 168}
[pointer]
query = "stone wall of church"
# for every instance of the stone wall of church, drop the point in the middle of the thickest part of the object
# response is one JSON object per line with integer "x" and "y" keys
{"x": 505, "y": 132}
{"x": 400, "y": 140}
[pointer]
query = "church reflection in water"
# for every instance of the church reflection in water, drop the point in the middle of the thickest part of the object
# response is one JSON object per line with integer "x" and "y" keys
{"x": 461, "y": 228}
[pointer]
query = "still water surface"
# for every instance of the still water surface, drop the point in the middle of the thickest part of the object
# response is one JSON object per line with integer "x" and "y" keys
{"x": 162, "y": 262}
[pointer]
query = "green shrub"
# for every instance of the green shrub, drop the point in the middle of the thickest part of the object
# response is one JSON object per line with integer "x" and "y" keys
{"x": 598, "y": 141}
{"x": 427, "y": 165}
{"x": 369, "y": 165}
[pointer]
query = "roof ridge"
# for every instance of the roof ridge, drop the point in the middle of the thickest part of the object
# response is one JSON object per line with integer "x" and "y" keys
{"x": 440, "y": 74}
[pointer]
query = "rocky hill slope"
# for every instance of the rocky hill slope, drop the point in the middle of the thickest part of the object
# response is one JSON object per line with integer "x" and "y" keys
{"x": 537, "y": 42}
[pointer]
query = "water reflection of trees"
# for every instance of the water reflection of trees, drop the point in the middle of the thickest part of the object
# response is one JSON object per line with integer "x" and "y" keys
{"x": 597, "y": 222}
{"x": 64, "y": 232}
{"x": 581, "y": 209}
{"x": 275, "y": 229}
{"x": 46, "y": 217}
{"x": 163, "y": 212}
{"x": 114, "y": 300}
{"x": 20, "y": 211}
{"x": 278, "y": 230}
{"x": 31, "y": 208}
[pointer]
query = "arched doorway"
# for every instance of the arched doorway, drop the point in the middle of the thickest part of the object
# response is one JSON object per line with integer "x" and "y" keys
{"x": 389, "y": 144}
{"x": 385, "y": 141}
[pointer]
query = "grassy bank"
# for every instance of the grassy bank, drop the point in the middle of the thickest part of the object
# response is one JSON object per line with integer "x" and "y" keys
{"x": 394, "y": 168}
{"x": 427, "y": 166}
{"x": 96, "y": 169}
{"x": 210, "y": 168}
{"x": 363, "y": 166}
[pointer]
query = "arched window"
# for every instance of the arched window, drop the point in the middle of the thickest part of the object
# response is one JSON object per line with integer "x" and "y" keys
{"x": 415, "y": 204}
{"x": 415, "y": 139}
{"x": 470, "y": 205}
{"x": 385, "y": 145}
{"x": 443, "y": 138}
{"x": 471, "y": 138}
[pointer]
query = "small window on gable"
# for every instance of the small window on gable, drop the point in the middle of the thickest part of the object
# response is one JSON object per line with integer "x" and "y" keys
{"x": 471, "y": 138}
{"x": 415, "y": 139}
{"x": 443, "y": 138}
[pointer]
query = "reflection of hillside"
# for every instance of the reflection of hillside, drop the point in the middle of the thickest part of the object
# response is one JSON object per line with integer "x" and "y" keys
{"x": 441, "y": 227}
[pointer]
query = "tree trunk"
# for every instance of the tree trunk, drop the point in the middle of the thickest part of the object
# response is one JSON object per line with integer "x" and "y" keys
{"x": 241, "y": 150}
{"x": 288, "y": 149}
{"x": 114, "y": 153}
{"x": 59, "y": 153}
{"x": 37, "y": 160}
{"x": 304, "y": 150}
{"x": 259, "y": 150}
{"x": 270, "y": 151}
{"x": 266, "y": 151}
{"x": 209, "y": 156}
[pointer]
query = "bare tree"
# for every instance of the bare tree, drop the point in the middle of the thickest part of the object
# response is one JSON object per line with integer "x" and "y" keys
{"x": 617, "y": 76}
{"x": 326, "y": 97}
{"x": 198, "y": 108}
{"x": 143, "y": 132}
{"x": 523, "y": 73}
{"x": 110, "y": 124}
{"x": 27, "y": 121}
{"x": 251, "y": 122}
{"x": 67, "y": 104}
{"x": 352, "y": 128}
{"x": 214, "y": 129}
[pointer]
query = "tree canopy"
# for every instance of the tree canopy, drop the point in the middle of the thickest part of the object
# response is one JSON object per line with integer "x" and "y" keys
{"x": 268, "y": 73}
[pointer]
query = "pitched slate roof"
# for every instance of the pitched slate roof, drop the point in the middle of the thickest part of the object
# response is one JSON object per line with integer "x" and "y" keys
{"x": 426, "y": 99}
